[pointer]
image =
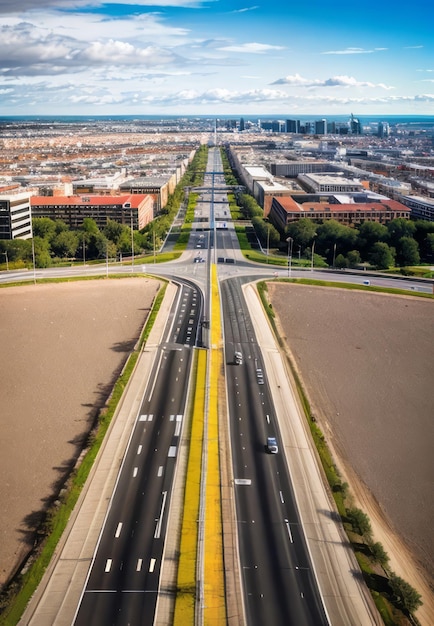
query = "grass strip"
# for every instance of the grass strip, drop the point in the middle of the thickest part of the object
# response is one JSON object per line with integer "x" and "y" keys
{"x": 186, "y": 581}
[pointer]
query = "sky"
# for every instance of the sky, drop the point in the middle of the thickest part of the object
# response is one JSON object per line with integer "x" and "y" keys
{"x": 216, "y": 57}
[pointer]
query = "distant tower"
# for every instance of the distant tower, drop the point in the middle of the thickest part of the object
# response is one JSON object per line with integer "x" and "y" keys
{"x": 242, "y": 125}
{"x": 321, "y": 127}
{"x": 292, "y": 126}
{"x": 383, "y": 129}
{"x": 355, "y": 126}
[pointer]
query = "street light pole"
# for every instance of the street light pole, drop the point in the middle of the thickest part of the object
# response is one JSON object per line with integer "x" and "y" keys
{"x": 268, "y": 240}
{"x": 132, "y": 243}
{"x": 289, "y": 242}
{"x": 7, "y": 260}
{"x": 313, "y": 252}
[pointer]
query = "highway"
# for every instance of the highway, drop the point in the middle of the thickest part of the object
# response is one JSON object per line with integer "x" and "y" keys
{"x": 123, "y": 582}
{"x": 278, "y": 580}
{"x": 277, "y": 576}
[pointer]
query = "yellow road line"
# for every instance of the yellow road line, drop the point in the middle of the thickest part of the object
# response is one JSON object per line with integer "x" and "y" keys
{"x": 186, "y": 583}
{"x": 214, "y": 588}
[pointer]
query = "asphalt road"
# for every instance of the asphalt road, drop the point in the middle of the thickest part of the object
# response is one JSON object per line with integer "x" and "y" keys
{"x": 123, "y": 582}
{"x": 277, "y": 577}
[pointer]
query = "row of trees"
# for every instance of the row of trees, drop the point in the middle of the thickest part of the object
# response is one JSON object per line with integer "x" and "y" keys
{"x": 54, "y": 241}
{"x": 401, "y": 242}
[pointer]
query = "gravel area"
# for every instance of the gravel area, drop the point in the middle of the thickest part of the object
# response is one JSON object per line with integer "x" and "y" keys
{"x": 63, "y": 346}
{"x": 366, "y": 360}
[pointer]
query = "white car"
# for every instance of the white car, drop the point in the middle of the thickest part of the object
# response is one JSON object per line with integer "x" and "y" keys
{"x": 272, "y": 447}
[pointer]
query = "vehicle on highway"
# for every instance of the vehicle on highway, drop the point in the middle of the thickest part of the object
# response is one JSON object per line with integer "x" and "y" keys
{"x": 238, "y": 357}
{"x": 260, "y": 376}
{"x": 272, "y": 446}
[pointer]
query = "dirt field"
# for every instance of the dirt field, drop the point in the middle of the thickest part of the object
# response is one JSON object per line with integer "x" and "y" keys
{"x": 62, "y": 346}
{"x": 367, "y": 362}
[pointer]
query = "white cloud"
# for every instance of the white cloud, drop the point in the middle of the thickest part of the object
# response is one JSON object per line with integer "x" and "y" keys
{"x": 251, "y": 48}
{"x": 354, "y": 51}
{"x": 20, "y": 6}
{"x": 115, "y": 53}
{"x": 245, "y": 9}
{"x": 334, "y": 81}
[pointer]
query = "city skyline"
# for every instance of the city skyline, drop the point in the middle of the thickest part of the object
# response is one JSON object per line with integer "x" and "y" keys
{"x": 216, "y": 57}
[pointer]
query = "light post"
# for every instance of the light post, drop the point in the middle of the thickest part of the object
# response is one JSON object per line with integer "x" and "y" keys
{"x": 334, "y": 255}
{"x": 313, "y": 253}
{"x": 132, "y": 243}
{"x": 268, "y": 237}
{"x": 7, "y": 260}
{"x": 34, "y": 259}
{"x": 289, "y": 241}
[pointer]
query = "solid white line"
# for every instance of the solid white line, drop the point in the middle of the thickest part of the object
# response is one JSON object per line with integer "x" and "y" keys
{"x": 108, "y": 565}
{"x": 139, "y": 565}
{"x": 289, "y": 531}
{"x": 160, "y": 520}
{"x": 155, "y": 377}
{"x": 118, "y": 529}
{"x": 152, "y": 565}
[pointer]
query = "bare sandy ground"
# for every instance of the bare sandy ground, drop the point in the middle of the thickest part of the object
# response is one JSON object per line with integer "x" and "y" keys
{"x": 62, "y": 347}
{"x": 367, "y": 362}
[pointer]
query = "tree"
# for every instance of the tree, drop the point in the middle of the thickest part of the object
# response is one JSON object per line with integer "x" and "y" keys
{"x": 42, "y": 252}
{"x": 302, "y": 231}
{"x": 378, "y": 553}
{"x": 17, "y": 249}
{"x": 113, "y": 230}
{"x": 43, "y": 227}
{"x": 332, "y": 233}
{"x": 360, "y": 522}
{"x": 265, "y": 232}
{"x": 65, "y": 244}
{"x": 424, "y": 236}
{"x": 368, "y": 234}
{"x": 407, "y": 252}
{"x": 354, "y": 258}
{"x": 341, "y": 262}
{"x": 400, "y": 227}
{"x": 382, "y": 255}
{"x": 404, "y": 596}
{"x": 89, "y": 226}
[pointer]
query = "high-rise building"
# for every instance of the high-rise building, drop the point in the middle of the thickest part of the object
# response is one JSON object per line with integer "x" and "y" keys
{"x": 355, "y": 125}
{"x": 292, "y": 126}
{"x": 321, "y": 127}
{"x": 383, "y": 129}
{"x": 242, "y": 125}
{"x": 15, "y": 214}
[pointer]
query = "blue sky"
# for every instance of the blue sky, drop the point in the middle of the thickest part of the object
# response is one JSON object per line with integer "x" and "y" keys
{"x": 211, "y": 57}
